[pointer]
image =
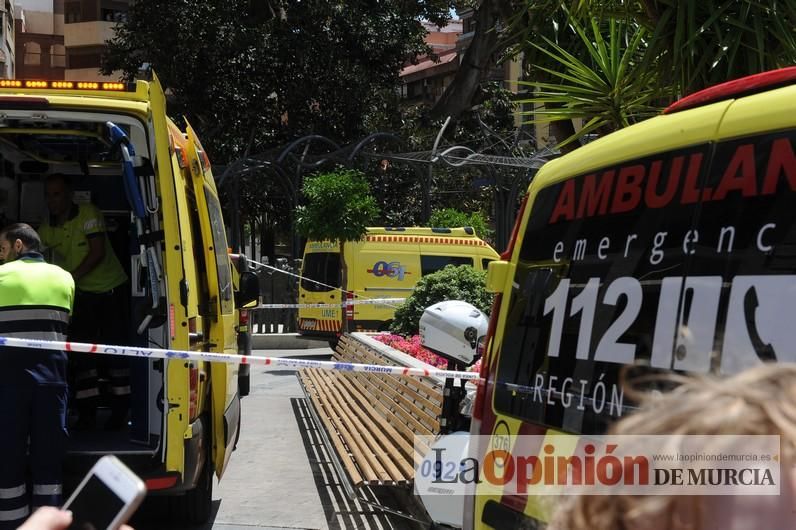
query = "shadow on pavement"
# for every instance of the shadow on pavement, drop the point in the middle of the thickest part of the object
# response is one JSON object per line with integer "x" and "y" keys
{"x": 341, "y": 512}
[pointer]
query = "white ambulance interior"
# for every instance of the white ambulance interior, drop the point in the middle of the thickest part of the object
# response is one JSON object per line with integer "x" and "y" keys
{"x": 36, "y": 143}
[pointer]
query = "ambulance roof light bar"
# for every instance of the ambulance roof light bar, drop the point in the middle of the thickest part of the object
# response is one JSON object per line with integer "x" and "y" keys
{"x": 736, "y": 88}
{"x": 68, "y": 85}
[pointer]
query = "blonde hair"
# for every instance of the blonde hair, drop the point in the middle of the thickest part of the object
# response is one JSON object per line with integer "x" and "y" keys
{"x": 761, "y": 400}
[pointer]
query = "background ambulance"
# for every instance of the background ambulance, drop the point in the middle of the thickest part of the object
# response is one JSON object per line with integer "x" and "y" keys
{"x": 154, "y": 185}
{"x": 669, "y": 245}
{"x": 387, "y": 263}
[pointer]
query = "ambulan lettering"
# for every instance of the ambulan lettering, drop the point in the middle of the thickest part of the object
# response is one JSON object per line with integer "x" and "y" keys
{"x": 752, "y": 170}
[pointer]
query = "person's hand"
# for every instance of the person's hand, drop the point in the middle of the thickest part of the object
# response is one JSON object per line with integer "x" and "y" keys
{"x": 51, "y": 518}
{"x": 48, "y": 518}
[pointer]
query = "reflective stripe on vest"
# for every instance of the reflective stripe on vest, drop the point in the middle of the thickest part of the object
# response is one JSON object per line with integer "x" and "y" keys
{"x": 47, "y": 489}
{"x": 12, "y": 493}
{"x": 14, "y": 515}
{"x": 39, "y": 313}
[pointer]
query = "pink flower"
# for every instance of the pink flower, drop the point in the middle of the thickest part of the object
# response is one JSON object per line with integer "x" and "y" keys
{"x": 412, "y": 346}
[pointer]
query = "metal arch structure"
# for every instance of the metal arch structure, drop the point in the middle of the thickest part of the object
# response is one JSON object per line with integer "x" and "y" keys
{"x": 289, "y": 164}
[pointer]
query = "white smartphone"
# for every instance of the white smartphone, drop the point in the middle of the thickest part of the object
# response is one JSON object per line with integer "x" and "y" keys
{"x": 106, "y": 497}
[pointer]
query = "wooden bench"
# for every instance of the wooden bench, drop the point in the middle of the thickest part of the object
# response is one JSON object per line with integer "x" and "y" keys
{"x": 371, "y": 419}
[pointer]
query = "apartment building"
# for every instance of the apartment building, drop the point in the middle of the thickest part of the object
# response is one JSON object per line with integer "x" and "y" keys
{"x": 39, "y": 36}
{"x": 87, "y": 25}
{"x": 64, "y": 39}
{"x": 428, "y": 78}
{"x": 7, "y": 51}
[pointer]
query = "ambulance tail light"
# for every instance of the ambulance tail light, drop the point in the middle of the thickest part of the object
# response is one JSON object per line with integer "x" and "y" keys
{"x": 162, "y": 483}
{"x": 193, "y": 390}
{"x": 349, "y": 307}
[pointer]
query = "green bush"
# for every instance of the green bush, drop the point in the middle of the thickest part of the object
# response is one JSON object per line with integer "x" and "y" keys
{"x": 453, "y": 218}
{"x": 451, "y": 283}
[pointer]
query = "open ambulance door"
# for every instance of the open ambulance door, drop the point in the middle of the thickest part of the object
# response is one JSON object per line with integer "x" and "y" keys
{"x": 225, "y": 402}
{"x": 173, "y": 261}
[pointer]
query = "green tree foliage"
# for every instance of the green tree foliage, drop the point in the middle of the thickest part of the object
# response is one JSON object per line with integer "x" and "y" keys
{"x": 451, "y": 283}
{"x": 613, "y": 62}
{"x": 338, "y": 207}
{"x": 615, "y": 85}
{"x": 452, "y": 218}
{"x": 256, "y": 74}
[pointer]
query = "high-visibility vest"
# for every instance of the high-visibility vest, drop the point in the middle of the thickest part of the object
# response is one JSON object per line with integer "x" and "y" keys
{"x": 36, "y": 300}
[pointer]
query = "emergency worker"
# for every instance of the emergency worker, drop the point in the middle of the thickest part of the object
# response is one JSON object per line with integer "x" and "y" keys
{"x": 76, "y": 235}
{"x": 35, "y": 301}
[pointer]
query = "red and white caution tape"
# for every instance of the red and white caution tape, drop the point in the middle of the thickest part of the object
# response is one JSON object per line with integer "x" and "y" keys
{"x": 366, "y": 301}
{"x": 158, "y": 353}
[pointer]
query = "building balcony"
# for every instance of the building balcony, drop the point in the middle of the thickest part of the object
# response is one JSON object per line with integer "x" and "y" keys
{"x": 94, "y": 33}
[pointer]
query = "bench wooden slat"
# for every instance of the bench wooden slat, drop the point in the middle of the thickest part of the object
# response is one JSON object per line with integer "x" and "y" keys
{"x": 397, "y": 442}
{"x": 369, "y": 356}
{"x": 429, "y": 411}
{"x": 383, "y": 449}
{"x": 372, "y": 419}
{"x": 382, "y": 404}
{"x": 372, "y": 471}
{"x": 420, "y": 391}
{"x": 398, "y": 404}
{"x": 349, "y": 464}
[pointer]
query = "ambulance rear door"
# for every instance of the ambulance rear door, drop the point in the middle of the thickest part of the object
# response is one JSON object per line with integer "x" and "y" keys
{"x": 320, "y": 285}
{"x": 176, "y": 384}
{"x": 220, "y": 321}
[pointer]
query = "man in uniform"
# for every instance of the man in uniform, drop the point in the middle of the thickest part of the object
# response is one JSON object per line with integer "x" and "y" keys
{"x": 76, "y": 235}
{"x": 35, "y": 302}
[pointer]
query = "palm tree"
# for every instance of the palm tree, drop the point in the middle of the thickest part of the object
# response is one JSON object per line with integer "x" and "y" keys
{"x": 613, "y": 62}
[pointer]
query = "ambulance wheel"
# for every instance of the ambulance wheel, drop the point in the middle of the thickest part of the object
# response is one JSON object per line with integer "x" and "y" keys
{"x": 196, "y": 506}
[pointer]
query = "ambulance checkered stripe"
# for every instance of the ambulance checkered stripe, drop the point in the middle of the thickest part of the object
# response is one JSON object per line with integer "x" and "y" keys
{"x": 320, "y": 325}
{"x": 463, "y": 241}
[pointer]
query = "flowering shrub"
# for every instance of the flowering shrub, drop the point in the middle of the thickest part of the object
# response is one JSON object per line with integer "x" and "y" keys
{"x": 411, "y": 346}
{"x": 451, "y": 283}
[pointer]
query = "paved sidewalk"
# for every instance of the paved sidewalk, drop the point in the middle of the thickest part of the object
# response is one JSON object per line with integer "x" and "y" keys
{"x": 280, "y": 476}
{"x": 269, "y": 482}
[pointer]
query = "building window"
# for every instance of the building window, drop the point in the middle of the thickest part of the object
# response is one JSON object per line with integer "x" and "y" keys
{"x": 87, "y": 60}
{"x": 57, "y": 56}
{"x": 113, "y": 15}
{"x": 32, "y": 53}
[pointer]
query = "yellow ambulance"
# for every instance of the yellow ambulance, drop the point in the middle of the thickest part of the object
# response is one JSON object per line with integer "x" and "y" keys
{"x": 668, "y": 245}
{"x": 154, "y": 185}
{"x": 386, "y": 264}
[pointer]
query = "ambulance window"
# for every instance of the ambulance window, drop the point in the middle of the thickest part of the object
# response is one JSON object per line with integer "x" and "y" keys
{"x": 323, "y": 268}
{"x": 220, "y": 250}
{"x": 598, "y": 287}
{"x": 429, "y": 264}
{"x": 485, "y": 262}
{"x": 747, "y": 239}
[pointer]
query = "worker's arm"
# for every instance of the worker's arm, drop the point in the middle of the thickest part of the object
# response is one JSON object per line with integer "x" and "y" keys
{"x": 96, "y": 252}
